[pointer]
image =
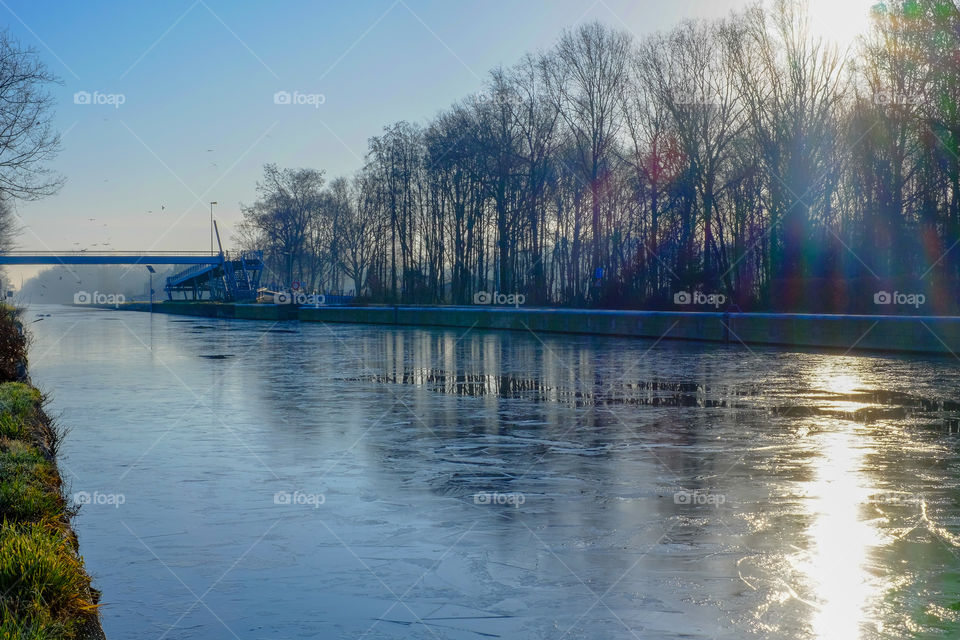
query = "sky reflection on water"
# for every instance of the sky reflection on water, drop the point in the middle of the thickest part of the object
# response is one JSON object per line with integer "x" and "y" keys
{"x": 674, "y": 491}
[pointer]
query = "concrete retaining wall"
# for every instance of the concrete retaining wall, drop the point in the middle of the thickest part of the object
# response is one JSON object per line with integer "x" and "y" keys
{"x": 880, "y": 333}
{"x": 213, "y": 310}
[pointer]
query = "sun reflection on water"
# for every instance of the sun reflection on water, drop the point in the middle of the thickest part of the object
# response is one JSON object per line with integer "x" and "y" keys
{"x": 838, "y": 585}
{"x": 841, "y": 384}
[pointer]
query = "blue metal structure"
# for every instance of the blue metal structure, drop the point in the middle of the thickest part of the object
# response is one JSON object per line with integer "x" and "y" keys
{"x": 221, "y": 276}
{"x": 109, "y": 257}
{"x": 232, "y": 278}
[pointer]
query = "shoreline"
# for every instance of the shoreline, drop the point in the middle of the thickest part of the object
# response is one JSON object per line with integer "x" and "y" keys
{"x": 937, "y": 335}
{"x": 46, "y": 589}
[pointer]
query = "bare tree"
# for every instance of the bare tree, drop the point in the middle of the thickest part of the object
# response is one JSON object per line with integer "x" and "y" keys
{"x": 27, "y": 139}
{"x": 685, "y": 72}
{"x": 724, "y": 153}
{"x": 536, "y": 117}
{"x": 652, "y": 153}
{"x": 793, "y": 87}
{"x": 357, "y": 232}
{"x": 281, "y": 219}
{"x": 9, "y": 225}
{"x": 586, "y": 74}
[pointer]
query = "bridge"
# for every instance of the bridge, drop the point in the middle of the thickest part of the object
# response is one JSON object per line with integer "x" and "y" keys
{"x": 109, "y": 257}
{"x": 218, "y": 275}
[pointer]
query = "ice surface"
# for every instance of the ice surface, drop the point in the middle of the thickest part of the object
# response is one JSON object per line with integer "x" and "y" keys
{"x": 451, "y": 484}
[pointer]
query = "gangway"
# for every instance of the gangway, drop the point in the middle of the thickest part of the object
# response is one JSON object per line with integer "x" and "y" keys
{"x": 232, "y": 278}
{"x": 235, "y": 278}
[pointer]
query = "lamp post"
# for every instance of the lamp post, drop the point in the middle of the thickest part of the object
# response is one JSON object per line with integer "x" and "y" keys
{"x": 152, "y": 271}
{"x": 211, "y": 226}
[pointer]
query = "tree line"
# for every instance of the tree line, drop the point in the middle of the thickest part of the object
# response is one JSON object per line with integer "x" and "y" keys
{"x": 744, "y": 156}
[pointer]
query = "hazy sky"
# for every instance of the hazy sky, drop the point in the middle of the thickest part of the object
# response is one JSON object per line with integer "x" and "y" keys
{"x": 197, "y": 80}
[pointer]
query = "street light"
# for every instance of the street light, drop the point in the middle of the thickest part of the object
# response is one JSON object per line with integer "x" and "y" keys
{"x": 152, "y": 271}
{"x": 211, "y": 226}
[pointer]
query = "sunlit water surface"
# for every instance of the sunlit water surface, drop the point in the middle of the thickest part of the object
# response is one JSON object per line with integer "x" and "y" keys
{"x": 284, "y": 480}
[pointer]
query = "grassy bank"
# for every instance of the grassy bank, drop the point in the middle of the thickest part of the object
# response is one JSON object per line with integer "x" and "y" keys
{"x": 45, "y": 592}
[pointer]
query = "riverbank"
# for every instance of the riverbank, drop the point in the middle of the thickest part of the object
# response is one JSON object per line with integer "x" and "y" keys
{"x": 908, "y": 334}
{"x": 45, "y": 591}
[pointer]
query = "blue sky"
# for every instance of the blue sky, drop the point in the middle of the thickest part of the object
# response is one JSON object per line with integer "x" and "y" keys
{"x": 198, "y": 79}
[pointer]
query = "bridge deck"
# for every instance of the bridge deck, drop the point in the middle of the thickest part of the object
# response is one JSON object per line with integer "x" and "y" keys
{"x": 109, "y": 257}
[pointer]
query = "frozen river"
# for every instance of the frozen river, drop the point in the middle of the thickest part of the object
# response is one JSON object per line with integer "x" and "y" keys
{"x": 284, "y": 480}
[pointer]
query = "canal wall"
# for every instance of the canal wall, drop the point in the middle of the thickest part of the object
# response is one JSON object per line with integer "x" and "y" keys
{"x": 210, "y": 309}
{"x": 940, "y": 334}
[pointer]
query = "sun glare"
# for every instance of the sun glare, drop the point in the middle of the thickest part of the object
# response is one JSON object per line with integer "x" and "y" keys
{"x": 841, "y": 589}
{"x": 838, "y": 587}
{"x": 840, "y": 21}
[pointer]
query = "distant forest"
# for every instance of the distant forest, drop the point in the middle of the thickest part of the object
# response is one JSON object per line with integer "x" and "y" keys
{"x": 746, "y": 157}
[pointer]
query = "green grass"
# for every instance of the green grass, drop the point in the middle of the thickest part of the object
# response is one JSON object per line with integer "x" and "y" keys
{"x": 18, "y": 409}
{"x": 43, "y": 581}
{"x": 13, "y": 428}
{"x": 19, "y": 400}
{"x": 11, "y": 629}
{"x": 45, "y": 591}
{"x": 29, "y": 485}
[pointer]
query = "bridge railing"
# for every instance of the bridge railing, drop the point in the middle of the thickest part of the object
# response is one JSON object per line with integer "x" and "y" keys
{"x": 83, "y": 256}
{"x": 180, "y": 276}
{"x": 85, "y": 252}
